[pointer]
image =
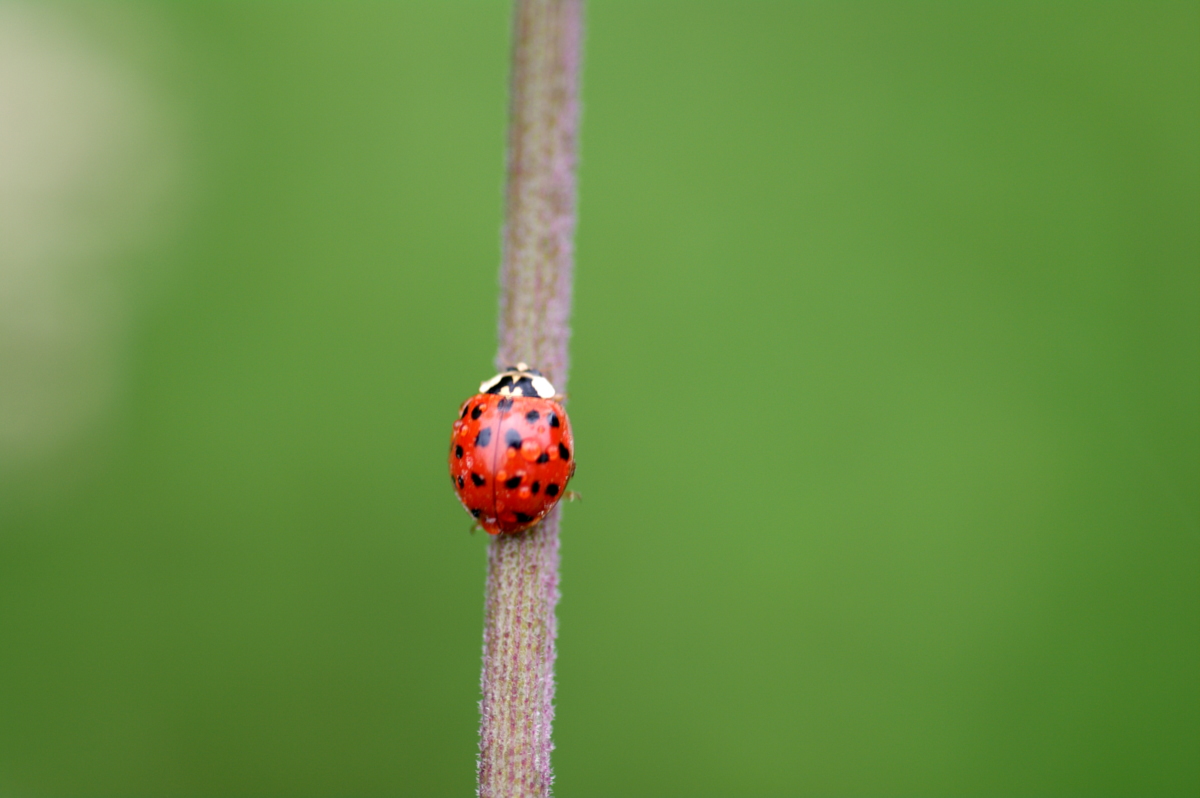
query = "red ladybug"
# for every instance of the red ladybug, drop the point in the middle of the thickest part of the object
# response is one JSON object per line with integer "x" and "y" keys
{"x": 511, "y": 453}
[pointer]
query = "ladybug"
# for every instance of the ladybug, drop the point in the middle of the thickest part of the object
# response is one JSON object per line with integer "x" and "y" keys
{"x": 511, "y": 452}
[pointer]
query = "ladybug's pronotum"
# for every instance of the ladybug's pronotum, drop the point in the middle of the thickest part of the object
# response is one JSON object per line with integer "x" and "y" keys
{"x": 511, "y": 452}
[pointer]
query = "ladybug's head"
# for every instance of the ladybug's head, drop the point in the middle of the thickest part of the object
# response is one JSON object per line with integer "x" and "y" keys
{"x": 519, "y": 380}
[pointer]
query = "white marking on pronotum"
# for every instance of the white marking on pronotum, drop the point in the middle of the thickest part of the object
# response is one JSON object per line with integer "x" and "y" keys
{"x": 541, "y": 385}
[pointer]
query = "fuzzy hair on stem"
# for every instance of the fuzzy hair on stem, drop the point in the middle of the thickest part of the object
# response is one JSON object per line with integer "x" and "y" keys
{"x": 520, "y": 627}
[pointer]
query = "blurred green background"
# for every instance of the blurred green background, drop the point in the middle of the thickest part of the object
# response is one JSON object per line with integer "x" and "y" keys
{"x": 886, "y": 370}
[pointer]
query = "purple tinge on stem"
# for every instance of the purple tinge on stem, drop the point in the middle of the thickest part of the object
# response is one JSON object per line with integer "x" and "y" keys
{"x": 539, "y": 230}
{"x": 518, "y": 663}
{"x": 517, "y": 709}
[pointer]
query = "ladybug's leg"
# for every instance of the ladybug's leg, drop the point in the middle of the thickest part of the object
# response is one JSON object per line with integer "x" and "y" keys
{"x": 573, "y": 496}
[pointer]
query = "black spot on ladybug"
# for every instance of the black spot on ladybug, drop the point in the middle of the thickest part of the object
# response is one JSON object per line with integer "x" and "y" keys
{"x": 564, "y": 452}
{"x": 478, "y": 480}
{"x": 532, "y": 416}
{"x": 466, "y": 409}
{"x": 513, "y": 438}
{"x": 476, "y": 513}
{"x": 552, "y": 489}
{"x": 504, "y": 405}
{"x": 484, "y": 437}
{"x": 460, "y": 482}
{"x": 535, "y": 487}
{"x": 554, "y": 419}
{"x": 524, "y": 519}
{"x": 458, "y": 452}
{"x": 543, "y": 458}
{"x": 477, "y": 412}
{"x": 512, "y": 482}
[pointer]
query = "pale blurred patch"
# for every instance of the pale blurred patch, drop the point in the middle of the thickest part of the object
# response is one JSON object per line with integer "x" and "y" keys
{"x": 89, "y": 180}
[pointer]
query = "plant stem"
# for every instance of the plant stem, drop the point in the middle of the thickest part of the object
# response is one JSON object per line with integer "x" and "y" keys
{"x": 535, "y": 304}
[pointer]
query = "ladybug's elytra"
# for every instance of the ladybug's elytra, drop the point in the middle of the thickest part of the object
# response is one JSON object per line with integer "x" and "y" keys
{"x": 511, "y": 452}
